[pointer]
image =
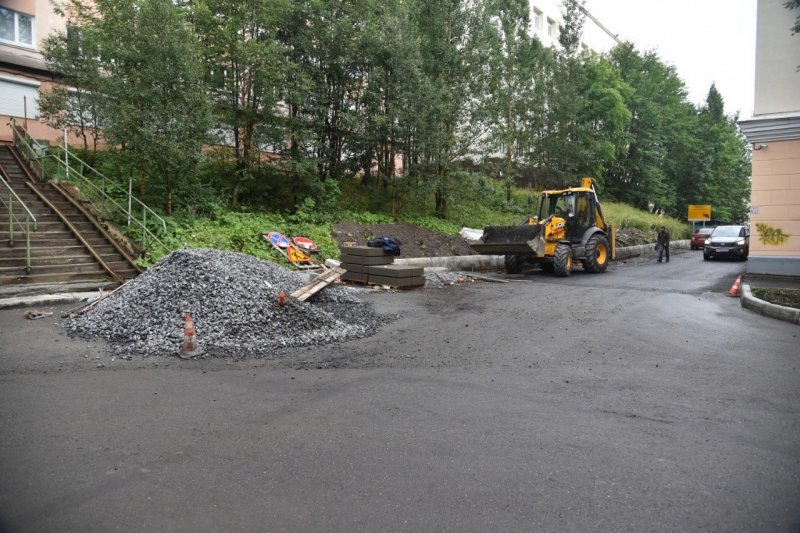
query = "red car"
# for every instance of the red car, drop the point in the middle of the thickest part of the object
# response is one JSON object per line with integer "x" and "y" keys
{"x": 699, "y": 237}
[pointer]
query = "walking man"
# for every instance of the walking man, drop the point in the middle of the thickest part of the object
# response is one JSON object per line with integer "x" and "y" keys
{"x": 663, "y": 243}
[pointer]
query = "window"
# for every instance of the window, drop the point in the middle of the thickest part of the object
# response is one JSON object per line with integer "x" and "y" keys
{"x": 16, "y": 27}
{"x": 18, "y": 98}
{"x": 552, "y": 28}
{"x": 537, "y": 20}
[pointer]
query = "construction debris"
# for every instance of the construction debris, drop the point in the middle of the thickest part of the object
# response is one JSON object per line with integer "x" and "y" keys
{"x": 231, "y": 298}
{"x": 317, "y": 284}
{"x": 35, "y": 314}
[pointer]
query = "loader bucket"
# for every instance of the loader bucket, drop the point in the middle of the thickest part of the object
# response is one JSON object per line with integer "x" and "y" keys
{"x": 507, "y": 240}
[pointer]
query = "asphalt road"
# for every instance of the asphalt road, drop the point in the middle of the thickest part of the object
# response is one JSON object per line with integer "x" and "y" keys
{"x": 642, "y": 399}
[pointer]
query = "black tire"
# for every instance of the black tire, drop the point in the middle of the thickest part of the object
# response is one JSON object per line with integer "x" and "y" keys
{"x": 598, "y": 252}
{"x": 562, "y": 260}
{"x": 514, "y": 264}
{"x": 706, "y": 256}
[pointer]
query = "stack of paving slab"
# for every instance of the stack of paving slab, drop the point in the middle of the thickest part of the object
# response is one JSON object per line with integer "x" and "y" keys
{"x": 366, "y": 264}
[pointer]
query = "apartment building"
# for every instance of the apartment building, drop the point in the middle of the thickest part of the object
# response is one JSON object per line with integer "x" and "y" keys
{"x": 774, "y": 133}
{"x": 23, "y": 73}
{"x": 545, "y": 16}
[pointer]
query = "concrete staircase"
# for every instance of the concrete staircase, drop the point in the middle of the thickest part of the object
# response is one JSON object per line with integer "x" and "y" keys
{"x": 69, "y": 250}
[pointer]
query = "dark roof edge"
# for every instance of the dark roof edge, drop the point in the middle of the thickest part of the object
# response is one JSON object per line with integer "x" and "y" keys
{"x": 30, "y": 65}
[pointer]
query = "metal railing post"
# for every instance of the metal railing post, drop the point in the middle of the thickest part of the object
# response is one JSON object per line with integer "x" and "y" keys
{"x": 27, "y": 244}
{"x": 10, "y": 220}
{"x": 144, "y": 233}
{"x": 66, "y": 156}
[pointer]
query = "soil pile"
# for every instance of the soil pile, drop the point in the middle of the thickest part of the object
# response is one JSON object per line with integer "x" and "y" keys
{"x": 233, "y": 300}
{"x": 414, "y": 241}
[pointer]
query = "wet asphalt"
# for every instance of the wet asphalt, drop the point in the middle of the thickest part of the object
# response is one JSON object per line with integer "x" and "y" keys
{"x": 642, "y": 399}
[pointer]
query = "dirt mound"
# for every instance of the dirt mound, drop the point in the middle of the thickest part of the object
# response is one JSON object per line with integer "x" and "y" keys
{"x": 414, "y": 240}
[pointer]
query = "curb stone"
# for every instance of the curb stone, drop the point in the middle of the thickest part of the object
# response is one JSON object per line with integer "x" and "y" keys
{"x": 466, "y": 262}
{"x": 762, "y": 307}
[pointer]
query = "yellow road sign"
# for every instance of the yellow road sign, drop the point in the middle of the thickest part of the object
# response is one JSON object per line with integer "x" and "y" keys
{"x": 699, "y": 212}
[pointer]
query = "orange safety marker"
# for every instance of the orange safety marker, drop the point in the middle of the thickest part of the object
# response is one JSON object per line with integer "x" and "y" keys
{"x": 734, "y": 291}
{"x": 189, "y": 347}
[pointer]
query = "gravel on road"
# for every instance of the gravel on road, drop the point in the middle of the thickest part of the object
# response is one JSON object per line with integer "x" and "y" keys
{"x": 233, "y": 301}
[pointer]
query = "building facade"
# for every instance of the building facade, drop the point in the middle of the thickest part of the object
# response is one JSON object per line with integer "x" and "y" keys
{"x": 774, "y": 133}
{"x": 545, "y": 16}
{"x": 23, "y": 73}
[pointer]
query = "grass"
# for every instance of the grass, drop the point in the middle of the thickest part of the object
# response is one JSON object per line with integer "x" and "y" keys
{"x": 481, "y": 203}
{"x": 784, "y": 297}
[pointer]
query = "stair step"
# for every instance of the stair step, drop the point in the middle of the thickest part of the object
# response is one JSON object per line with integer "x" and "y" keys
{"x": 41, "y": 225}
{"x": 74, "y": 268}
{"x": 51, "y": 278}
{"x": 56, "y": 254}
{"x": 46, "y": 251}
{"x": 47, "y": 260}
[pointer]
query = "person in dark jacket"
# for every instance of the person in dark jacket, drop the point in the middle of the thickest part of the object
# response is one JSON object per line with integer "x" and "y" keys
{"x": 663, "y": 243}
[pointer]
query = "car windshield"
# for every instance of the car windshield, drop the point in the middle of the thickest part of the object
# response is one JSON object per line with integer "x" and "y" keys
{"x": 727, "y": 231}
{"x": 704, "y": 231}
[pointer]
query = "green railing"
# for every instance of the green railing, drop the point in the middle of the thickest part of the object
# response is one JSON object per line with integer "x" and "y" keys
{"x": 145, "y": 226}
{"x": 9, "y": 199}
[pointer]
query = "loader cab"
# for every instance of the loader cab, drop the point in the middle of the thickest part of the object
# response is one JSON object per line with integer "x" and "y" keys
{"x": 577, "y": 208}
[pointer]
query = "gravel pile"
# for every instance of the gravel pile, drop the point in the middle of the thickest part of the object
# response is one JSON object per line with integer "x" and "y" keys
{"x": 233, "y": 301}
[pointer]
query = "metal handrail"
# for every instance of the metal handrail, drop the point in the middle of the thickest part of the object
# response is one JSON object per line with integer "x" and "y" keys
{"x": 12, "y": 218}
{"x": 36, "y": 155}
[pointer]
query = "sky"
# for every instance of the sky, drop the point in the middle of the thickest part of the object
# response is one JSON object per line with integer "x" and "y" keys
{"x": 708, "y": 41}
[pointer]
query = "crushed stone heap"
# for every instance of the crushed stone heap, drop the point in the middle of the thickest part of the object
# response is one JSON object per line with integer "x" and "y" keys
{"x": 233, "y": 301}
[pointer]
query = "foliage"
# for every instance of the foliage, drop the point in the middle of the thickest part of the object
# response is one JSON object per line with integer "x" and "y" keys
{"x": 794, "y": 4}
{"x": 625, "y": 216}
{"x": 676, "y": 155}
{"x": 394, "y": 106}
{"x": 241, "y": 231}
{"x": 137, "y": 63}
{"x": 244, "y": 64}
{"x": 784, "y": 297}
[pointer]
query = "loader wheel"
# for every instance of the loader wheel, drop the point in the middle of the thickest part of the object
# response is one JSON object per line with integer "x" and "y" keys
{"x": 597, "y": 253}
{"x": 562, "y": 260}
{"x": 514, "y": 264}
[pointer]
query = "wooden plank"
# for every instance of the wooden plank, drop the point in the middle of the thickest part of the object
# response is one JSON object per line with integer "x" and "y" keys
{"x": 317, "y": 284}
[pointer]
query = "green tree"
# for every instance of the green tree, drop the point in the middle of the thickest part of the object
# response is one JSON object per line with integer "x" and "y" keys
{"x": 586, "y": 111}
{"x": 245, "y": 63}
{"x": 661, "y": 128}
{"x": 70, "y": 104}
{"x": 147, "y": 86}
{"x": 512, "y": 90}
{"x": 385, "y": 99}
{"x": 448, "y": 32}
{"x": 727, "y": 169}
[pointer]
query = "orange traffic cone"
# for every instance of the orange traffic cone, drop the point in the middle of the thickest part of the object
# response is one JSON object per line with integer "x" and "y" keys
{"x": 189, "y": 346}
{"x": 735, "y": 287}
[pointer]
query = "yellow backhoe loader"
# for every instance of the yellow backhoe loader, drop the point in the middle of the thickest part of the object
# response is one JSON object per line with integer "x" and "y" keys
{"x": 569, "y": 227}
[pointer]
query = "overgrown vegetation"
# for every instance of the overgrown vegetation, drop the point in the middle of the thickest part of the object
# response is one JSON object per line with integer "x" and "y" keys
{"x": 481, "y": 204}
{"x": 784, "y": 297}
{"x": 266, "y": 104}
